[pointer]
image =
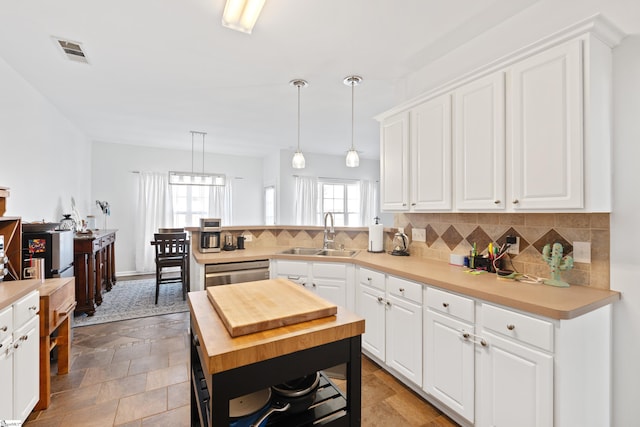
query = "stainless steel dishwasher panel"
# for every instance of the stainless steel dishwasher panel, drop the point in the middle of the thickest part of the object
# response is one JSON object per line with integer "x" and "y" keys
{"x": 236, "y": 272}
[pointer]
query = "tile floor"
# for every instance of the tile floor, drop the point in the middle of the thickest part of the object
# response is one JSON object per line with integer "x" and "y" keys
{"x": 135, "y": 373}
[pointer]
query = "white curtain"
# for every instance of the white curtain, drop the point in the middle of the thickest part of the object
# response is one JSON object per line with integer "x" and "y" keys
{"x": 220, "y": 205}
{"x": 306, "y": 200}
{"x": 368, "y": 202}
{"x": 154, "y": 210}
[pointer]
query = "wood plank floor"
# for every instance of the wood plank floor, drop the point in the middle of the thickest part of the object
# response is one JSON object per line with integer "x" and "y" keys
{"x": 136, "y": 373}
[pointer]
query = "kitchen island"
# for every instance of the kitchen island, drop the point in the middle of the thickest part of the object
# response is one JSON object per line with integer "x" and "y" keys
{"x": 223, "y": 368}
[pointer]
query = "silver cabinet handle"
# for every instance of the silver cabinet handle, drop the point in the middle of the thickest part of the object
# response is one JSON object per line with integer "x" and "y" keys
{"x": 404, "y": 204}
{"x": 3, "y": 329}
{"x": 401, "y": 289}
{"x": 369, "y": 279}
{"x": 380, "y": 299}
{"x": 24, "y": 337}
{"x": 413, "y": 204}
{"x": 516, "y": 201}
{"x": 388, "y": 304}
{"x": 496, "y": 202}
{"x": 33, "y": 307}
{"x": 293, "y": 277}
{"x": 483, "y": 343}
{"x": 445, "y": 304}
{"x": 511, "y": 327}
{"x": 313, "y": 284}
{"x": 304, "y": 284}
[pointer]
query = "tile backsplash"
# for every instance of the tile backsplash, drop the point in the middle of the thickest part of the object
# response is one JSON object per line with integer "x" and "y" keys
{"x": 448, "y": 233}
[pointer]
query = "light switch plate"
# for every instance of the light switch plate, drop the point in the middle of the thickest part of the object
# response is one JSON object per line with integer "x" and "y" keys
{"x": 582, "y": 252}
{"x": 248, "y": 237}
{"x": 419, "y": 234}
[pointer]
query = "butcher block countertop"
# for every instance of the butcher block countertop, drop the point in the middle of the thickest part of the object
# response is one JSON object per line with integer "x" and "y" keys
{"x": 221, "y": 352}
{"x": 543, "y": 300}
{"x": 12, "y": 291}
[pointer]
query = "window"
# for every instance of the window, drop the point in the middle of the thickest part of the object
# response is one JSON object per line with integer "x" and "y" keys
{"x": 342, "y": 198}
{"x": 190, "y": 203}
{"x": 270, "y": 205}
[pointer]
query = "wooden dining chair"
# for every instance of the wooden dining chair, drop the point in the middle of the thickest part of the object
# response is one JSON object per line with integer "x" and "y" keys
{"x": 172, "y": 250}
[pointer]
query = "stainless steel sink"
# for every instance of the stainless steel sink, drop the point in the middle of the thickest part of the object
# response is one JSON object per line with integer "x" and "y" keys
{"x": 319, "y": 252}
{"x": 336, "y": 252}
{"x": 301, "y": 251}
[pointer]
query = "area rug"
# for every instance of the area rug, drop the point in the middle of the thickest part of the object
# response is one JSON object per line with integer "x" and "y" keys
{"x": 132, "y": 299}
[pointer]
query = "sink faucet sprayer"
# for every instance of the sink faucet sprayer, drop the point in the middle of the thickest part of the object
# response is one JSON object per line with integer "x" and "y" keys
{"x": 326, "y": 241}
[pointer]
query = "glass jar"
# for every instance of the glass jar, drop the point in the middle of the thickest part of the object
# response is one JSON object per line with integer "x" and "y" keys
{"x": 67, "y": 223}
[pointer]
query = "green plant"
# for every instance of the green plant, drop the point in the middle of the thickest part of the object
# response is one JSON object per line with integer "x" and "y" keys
{"x": 557, "y": 262}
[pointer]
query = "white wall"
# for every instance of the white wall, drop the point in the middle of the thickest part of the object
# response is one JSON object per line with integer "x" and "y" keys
{"x": 320, "y": 165}
{"x": 44, "y": 159}
{"x": 625, "y": 232}
{"x": 112, "y": 180}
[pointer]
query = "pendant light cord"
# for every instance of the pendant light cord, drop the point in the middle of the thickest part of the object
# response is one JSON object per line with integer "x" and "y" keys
{"x": 298, "y": 118}
{"x": 353, "y": 85}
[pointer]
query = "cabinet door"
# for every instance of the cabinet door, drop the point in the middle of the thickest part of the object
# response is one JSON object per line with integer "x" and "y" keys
{"x": 404, "y": 338}
{"x": 6, "y": 373}
{"x": 449, "y": 371}
{"x": 516, "y": 385}
{"x": 546, "y": 130}
{"x": 479, "y": 135}
{"x": 370, "y": 304}
{"x": 333, "y": 290}
{"x": 431, "y": 155}
{"x": 394, "y": 163}
{"x": 26, "y": 359}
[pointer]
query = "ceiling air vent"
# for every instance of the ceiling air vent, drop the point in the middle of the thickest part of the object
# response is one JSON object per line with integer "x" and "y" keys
{"x": 72, "y": 50}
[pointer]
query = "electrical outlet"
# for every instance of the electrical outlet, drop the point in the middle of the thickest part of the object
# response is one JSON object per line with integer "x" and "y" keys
{"x": 582, "y": 252}
{"x": 419, "y": 234}
{"x": 248, "y": 237}
{"x": 514, "y": 249}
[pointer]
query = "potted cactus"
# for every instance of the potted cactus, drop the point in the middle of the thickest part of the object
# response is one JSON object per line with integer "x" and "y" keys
{"x": 558, "y": 263}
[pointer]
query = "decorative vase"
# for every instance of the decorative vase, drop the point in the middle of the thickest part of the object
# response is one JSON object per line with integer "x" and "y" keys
{"x": 67, "y": 223}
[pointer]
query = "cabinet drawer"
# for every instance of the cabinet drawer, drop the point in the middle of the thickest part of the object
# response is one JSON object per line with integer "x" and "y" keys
{"x": 26, "y": 308}
{"x": 371, "y": 278}
{"x": 451, "y": 304}
{"x": 6, "y": 322}
{"x": 97, "y": 243}
{"x": 405, "y": 289}
{"x": 292, "y": 268}
{"x": 518, "y": 326}
{"x": 329, "y": 270}
{"x": 56, "y": 306}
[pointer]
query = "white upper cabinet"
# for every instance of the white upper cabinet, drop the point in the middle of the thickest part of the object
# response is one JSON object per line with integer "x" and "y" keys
{"x": 430, "y": 152}
{"x": 394, "y": 163}
{"x": 546, "y": 130}
{"x": 479, "y": 140}
{"x": 530, "y": 133}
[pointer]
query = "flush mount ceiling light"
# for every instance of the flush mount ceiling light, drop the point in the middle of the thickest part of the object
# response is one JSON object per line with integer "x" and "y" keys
{"x": 298, "y": 158}
{"x": 352, "y": 160}
{"x": 196, "y": 178}
{"x": 241, "y": 15}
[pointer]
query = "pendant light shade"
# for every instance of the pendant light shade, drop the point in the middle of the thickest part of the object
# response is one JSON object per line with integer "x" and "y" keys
{"x": 298, "y": 158}
{"x": 353, "y": 159}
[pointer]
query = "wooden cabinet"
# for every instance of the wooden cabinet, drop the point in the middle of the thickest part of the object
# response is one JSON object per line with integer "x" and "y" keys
{"x": 10, "y": 248}
{"x": 546, "y": 94}
{"x": 19, "y": 355}
{"x": 449, "y": 360}
{"x": 394, "y": 163}
{"x": 479, "y": 141}
{"x": 392, "y": 309}
{"x": 94, "y": 268}
{"x": 327, "y": 279}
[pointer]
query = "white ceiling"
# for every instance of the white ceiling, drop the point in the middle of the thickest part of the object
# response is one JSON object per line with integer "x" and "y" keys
{"x": 160, "y": 68}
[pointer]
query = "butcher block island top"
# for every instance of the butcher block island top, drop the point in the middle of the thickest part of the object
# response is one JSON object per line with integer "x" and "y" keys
{"x": 266, "y": 304}
{"x": 222, "y": 352}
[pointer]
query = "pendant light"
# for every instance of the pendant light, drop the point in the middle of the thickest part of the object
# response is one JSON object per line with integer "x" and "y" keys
{"x": 298, "y": 158}
{"x": 196, "y": 178}
{"x": 352, "y": 160}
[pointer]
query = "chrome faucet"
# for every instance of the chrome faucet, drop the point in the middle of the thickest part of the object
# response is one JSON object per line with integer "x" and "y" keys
{"x": 326, "y": 241}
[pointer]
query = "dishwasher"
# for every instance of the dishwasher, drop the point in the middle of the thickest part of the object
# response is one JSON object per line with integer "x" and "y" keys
{"x": 235, "y": 272}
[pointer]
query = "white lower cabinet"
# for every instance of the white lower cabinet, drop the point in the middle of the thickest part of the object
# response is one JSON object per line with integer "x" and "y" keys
{"x": 392, "y": 309}
{"x": 19, "y": 357}
{"x": 327, "y": 279}
{"x": 449, "y": 362}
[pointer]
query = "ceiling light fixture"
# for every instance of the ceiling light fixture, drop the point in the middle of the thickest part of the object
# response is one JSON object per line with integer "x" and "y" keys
{"x": 241, "y": 15}
{"x": 298, "y": 158}
{"x": 195, "y": 178}
{"x": 352, "y": 160}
